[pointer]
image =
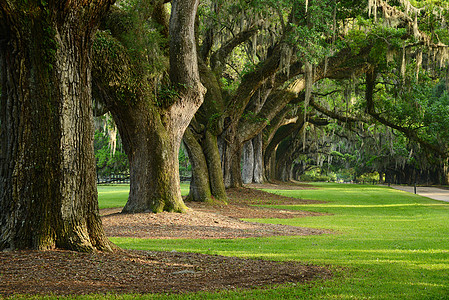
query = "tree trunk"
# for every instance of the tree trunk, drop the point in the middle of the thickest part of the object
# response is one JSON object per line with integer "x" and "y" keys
{"x": 248, "y": 162}
{"x": 207, "y": 178}
{"x": 258, "y": 159}
{"x": 152, "y": 132}
{"x": 381, "y": 177}
{"x": 445, "y": 172}
{"x": 153, "y": 156}
{"x": 231, "y": 154}
{"x": 199, "y": 185}
{"x": 271, "y": 166}
{"x": 252, "y": 169}
{"x": 47, "y": 178}
{"x": 213, "y": 160}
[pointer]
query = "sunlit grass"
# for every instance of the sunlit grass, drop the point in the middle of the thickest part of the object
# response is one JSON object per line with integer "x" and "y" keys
{"x": 116, "y": 195}
{"x": 387, "y": 244}
{"x": 112, "y": 195}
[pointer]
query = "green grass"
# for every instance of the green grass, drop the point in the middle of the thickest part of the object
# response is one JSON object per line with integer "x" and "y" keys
{"x": 116, "y": 195}
{"x": 389, "y": 245}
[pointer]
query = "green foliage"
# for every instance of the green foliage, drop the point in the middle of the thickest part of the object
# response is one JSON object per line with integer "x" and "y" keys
{"x": 132, "y": 55}
{"x": 251, "y": 116}
{"x": 310, "y": 34}
{"x": 316, "y": 175}
{"x": 421, "y": 106}
{"x": 106, "y": 162}
{"x": 382, "y": 39}
{"x": 167, "y": 96}
{"x": 185, "y": 168}
{"x": 115, "y": 67}
{"x": 141, "y": 37}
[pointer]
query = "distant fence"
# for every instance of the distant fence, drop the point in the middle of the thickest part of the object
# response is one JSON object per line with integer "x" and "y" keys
{"x": 185, "y": 178}
{"x": 124, "y": 178}
{"x": 113, "y": 178}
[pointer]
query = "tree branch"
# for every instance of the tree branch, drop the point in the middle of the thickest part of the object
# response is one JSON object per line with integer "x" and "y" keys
{"x": 411, "y": 134}
{"x": 334, "y": 115}
{"x": 342, "y": 65}
{"x": 219, "y": 57}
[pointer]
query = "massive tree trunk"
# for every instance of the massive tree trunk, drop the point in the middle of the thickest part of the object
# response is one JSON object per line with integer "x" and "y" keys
{"x": 152, "y": 130}
{"x": 47, "y": 178}
{"x": 205, "y": 127}
{"x": 153, "y": 156}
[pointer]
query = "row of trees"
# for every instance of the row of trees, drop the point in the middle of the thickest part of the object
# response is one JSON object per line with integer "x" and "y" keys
{"x": 226, "y": 77}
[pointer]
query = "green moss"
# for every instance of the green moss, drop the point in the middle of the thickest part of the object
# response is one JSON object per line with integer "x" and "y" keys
{"x": 215, "y": 123}
{"x": 113, "y": 66}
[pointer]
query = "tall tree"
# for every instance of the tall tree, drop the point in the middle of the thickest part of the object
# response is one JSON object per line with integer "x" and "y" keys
{"x": 48, "y": 194}
{"x": 244, "y": 95}
{"x": 151, "y": 109}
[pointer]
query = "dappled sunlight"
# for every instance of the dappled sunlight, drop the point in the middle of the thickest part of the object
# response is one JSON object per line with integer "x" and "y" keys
{"x": 428, "y": 284}
{"x": 405, "y": 251}
{"x": 369, "y": 205}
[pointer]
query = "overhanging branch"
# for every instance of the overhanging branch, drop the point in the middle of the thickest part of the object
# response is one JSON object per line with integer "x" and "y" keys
{"x": 410, "y": 133}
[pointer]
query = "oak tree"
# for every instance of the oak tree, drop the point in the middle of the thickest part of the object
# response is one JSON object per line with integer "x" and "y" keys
{"x": 48, "y": 195}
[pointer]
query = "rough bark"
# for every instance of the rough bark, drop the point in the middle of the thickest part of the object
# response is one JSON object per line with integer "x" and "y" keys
{"x": 210, "y": 118}
{"x": 208, "y": 123}
{"x": 207, "y": 180}
{"x": 48, "y": 195}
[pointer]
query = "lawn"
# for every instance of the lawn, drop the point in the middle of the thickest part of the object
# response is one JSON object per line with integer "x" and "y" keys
{"x": 116, "y": 195}
{"x": 388, "y": 245}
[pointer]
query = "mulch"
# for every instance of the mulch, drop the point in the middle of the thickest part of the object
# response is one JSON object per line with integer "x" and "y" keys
{"x": 61, "y": 272}
{"x": 70, "y": 273}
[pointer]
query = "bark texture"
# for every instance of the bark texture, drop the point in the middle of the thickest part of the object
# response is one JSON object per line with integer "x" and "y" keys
{"x": 48, "y": 196}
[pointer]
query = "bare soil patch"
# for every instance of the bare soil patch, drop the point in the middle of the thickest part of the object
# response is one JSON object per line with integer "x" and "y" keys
{"x": 212, "y": 221}
{"x": 65, "y": 272}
